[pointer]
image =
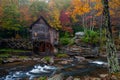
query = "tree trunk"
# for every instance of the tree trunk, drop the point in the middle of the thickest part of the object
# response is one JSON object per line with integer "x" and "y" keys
{"x": 113, "y": 63}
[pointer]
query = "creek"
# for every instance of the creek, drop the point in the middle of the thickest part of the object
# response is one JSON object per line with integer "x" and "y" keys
{"x": 37, "y": 70}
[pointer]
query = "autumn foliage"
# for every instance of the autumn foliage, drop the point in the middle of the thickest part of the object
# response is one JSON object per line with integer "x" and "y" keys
{"x": 61, "y": 14}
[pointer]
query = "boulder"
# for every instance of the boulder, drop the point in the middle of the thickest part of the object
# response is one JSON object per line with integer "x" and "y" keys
{"x": 79, "y": 34}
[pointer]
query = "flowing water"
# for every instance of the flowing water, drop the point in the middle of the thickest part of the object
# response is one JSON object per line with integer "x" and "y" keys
{"x": 38, "y": 70}
{"x": 30, "y": 72}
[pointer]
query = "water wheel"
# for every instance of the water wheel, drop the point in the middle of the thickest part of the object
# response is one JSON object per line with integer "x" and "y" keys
{"x": 43, "y": 48}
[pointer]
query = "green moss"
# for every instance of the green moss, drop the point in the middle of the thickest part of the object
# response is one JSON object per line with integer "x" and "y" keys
{"x": 12, "y": 50}
{"x": 0, "y": 60}
{"x": 4, "y": 55}
{"x": 61, "y": 55}
{"x": 42, "y": 78}
{"x": 47, "y": 58}
{"x": 23, "y": 57}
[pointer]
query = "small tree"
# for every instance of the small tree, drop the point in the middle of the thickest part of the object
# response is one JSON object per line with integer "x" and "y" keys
{"x": 113, "y": 63}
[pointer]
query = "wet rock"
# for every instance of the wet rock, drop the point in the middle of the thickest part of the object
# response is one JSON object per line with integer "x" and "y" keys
{"x": 14, "y": 60}
{"x": 43, "y": 60}
{"x": 3, "y": 72}
{"x": 10, "y": 60}
{"x": 103, "y": 55}
{"x": 87, "y": 78}
{"x": 79, "y": 34}
{"x": 36, "y": 59}
{"x": 70, "y": 78}
{"x": 77, "y": 41}
{"x": 65, "y": 61}
{"x": 89, "y": 60}
{"x": 27, "y": 59}
{"x": 85, "y": 52}
{"x": 75, "y": 48}
{"x": 4, "y": 61}
{"x": 55, "y": 50}
{"x": 25, "y": 54}
{"x": 95, "y": 79}
{"x": 91, "y": 78}
{"x": 113, "y": 77}
{"x": 77, "y": 79}
{"x": 14, "y": 57}
{"x": 57, "y": 77}
{"x": 51, "y": 60}
{"x": 79, "y": 58}
{"x": 103, "y": 75}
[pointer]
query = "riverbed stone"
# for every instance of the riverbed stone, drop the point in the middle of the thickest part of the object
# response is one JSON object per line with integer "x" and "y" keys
{"x": 103, "y": 75}
{"x": 80, "y": 59}
{"x": 43, "y": 60}
{"x": 77, "y": 79}
{"x": 3, "y": 72}
{"x": 51, "y": 60}
{"x": 57, "y": 77}
{"x": 27, "y": 59}
{"x": 70, "y": 78}
{"x": 65, "y": 62}
{"x": 36, "y": 59}
{"x": 95, "y": 79}
{"x": 113, "y": 77}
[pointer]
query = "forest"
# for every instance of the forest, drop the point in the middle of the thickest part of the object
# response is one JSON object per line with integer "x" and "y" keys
{"x": 81, "y": 33}
{"x": 70, "y": 15}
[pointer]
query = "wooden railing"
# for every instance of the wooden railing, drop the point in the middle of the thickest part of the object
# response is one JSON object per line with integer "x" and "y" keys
{"x": 21, "y": 43}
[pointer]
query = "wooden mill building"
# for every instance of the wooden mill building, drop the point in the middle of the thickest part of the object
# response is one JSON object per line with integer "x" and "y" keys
{"x": 44, "y": 36}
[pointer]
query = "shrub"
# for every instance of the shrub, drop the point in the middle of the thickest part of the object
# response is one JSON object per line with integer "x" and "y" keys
{"x": 91, "y": 37}
{"x": 64, "y": 41}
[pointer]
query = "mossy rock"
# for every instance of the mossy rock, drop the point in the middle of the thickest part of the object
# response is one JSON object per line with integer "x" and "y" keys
{"x": 42, "y": 78}
{"x": 62, "y": 55}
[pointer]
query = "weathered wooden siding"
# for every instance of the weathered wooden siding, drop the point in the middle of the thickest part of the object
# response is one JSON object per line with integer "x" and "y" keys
{"x": 46, "y": 36}
{"x": 42, "y": 31}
